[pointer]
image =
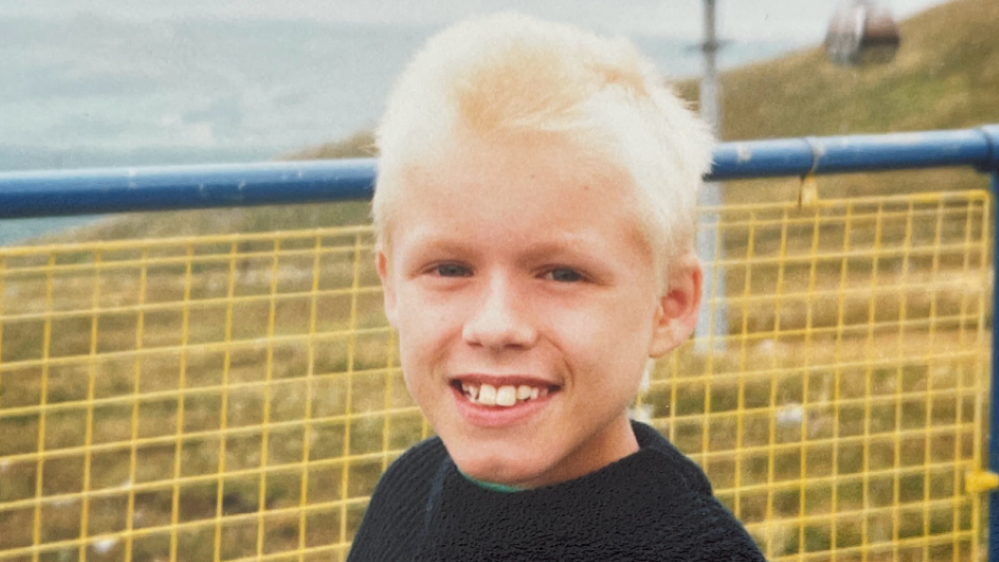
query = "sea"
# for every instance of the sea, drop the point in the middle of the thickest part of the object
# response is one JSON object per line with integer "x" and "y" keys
{"x": 97, "y": 83}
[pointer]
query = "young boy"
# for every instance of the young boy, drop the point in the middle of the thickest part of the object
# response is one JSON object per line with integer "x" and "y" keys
{"x": 534, "y": 213}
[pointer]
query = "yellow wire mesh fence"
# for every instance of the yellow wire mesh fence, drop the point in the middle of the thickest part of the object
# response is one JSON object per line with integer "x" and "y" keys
{"x": 236, "y": 397}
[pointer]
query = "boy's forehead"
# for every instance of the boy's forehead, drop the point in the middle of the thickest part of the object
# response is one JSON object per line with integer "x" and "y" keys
{"x": 553, "y": 160}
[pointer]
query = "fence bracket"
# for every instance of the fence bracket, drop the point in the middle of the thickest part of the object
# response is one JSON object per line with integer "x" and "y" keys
{"x": 980, "y": 481}
{"x": 808, "y": 191}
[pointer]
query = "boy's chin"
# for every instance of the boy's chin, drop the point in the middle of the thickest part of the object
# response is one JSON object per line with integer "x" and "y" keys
{"x": 519, "y": 469}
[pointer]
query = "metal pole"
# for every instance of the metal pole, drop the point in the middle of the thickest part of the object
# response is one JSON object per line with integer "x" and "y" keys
{"x": 994, "y": 395}
{"x": 712, "y": 322}
{"x": 709, "y": 82}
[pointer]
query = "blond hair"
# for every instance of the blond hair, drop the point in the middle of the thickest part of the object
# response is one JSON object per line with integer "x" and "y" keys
{"x": 503, "y": 75}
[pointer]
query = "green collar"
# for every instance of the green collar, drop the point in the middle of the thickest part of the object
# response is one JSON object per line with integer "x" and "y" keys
{"x": 490, "y": 485}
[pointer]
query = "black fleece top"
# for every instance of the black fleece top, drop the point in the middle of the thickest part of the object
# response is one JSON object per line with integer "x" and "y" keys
{"x": 653, "y": 505}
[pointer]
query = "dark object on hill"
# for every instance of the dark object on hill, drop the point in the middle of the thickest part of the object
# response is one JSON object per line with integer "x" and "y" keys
{"x": 862, "y": 32}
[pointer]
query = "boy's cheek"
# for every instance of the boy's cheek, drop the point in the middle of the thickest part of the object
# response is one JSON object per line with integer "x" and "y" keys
{"x": 390, "y": 313}
{"x": 391, "y": 304}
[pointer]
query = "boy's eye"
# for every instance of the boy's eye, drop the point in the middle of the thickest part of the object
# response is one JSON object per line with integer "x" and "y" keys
{"x": 564, "y": 275}
{"x": 451, "y": 270}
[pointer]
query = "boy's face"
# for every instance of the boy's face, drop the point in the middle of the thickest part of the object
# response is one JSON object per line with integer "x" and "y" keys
{"x": 517, "y": 274}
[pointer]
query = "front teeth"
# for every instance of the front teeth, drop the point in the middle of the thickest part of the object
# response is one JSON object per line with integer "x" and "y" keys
{"x": 487, "y": 395}
{"x": 507, "y": 395}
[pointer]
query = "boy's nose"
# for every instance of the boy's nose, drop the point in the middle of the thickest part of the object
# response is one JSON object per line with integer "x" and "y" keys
{"x": 499, "y": 321}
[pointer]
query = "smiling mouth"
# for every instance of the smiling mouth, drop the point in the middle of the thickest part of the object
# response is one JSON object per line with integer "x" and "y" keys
{"x": 502, "y": 396}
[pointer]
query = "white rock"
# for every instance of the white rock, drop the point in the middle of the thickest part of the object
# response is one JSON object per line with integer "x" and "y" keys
{"x": 767, "y": 347}
{"x": 791, "y": 413}
{"x": 104, "y": 546}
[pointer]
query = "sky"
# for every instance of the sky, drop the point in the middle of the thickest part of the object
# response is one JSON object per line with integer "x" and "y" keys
{"x": 802, "y": 20}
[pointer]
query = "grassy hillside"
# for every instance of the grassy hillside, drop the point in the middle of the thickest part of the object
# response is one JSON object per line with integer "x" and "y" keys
{"x": 945, "y": 76}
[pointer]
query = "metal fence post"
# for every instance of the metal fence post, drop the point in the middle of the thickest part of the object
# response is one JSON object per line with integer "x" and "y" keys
{"x": 712, "y": 320}
{"x": 994, "y": 391}
{"x": 991, "y": 133}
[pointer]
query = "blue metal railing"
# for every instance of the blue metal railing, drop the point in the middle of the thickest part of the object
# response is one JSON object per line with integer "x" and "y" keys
{"x": 96, "y": 191}
{"x": 87, "y": 192}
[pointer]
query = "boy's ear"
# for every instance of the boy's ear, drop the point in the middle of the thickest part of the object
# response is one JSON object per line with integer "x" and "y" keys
{"x": 388, "y": 291}
{"x": 676, "y": 313}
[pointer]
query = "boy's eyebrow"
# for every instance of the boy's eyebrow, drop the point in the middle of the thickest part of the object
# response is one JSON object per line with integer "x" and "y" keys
{"x": 569, "y": 254}
{"x": 549, "y": 248}
{"x": 427, "y": 240}
{"x": 432, "y": 239}
{"x": 575, "y": 246}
